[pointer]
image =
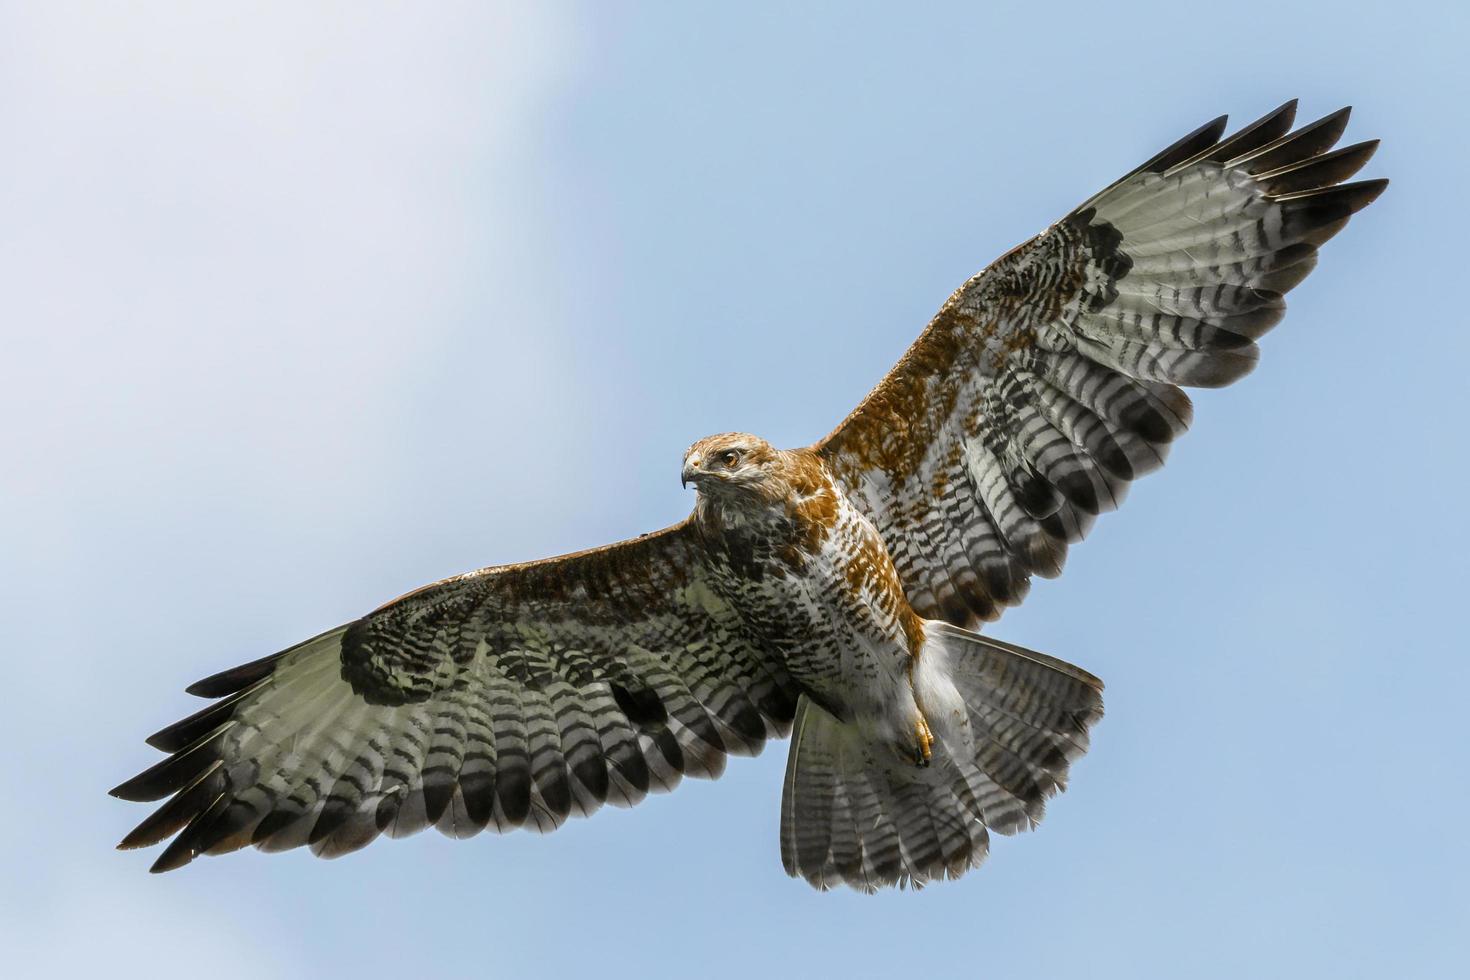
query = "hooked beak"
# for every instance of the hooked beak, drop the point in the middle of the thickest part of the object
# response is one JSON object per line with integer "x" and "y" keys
{"x": 690, "y": 472}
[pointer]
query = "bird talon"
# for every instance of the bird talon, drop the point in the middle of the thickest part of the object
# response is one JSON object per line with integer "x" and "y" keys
{"x": 925, "y": 750}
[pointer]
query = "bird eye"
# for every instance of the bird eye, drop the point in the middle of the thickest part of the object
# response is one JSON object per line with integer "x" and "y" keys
{"x": 729, "y": 458}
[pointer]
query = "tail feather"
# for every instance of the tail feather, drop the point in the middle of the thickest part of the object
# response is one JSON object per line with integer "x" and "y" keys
{"x": 852, "y": 814}
{"x": 1008, "y": 724}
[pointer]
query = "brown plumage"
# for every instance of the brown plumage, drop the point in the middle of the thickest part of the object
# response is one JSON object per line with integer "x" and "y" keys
{"x": 827, "y": 588}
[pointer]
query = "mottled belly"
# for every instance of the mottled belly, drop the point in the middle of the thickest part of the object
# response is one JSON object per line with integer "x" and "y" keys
{"x": 833, "y": 644}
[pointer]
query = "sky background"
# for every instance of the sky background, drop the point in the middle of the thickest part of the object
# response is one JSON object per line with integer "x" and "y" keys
{"x": 305, "y": 305}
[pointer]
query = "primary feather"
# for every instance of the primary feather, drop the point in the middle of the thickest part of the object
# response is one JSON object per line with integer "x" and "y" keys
{"x": 1050, "y": 381}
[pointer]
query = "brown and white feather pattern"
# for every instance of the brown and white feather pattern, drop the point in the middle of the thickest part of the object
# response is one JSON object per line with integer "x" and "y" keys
{"x": 836, "y": 577}
{"x": 511, "y": 697}
{"x": 1050, "y": 381}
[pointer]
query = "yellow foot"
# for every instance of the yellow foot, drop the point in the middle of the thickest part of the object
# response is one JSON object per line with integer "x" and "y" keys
{"x": 926, "y": 742}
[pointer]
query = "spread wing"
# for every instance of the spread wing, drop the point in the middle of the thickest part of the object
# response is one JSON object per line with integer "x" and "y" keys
{"x": 513, "y": 696}
{"x": 1050, "y": 381}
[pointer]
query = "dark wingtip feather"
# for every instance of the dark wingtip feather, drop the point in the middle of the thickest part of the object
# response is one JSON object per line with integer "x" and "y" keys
{"x": 168, "y": 776}
{"x": 1201, "y": 139}
{"x": 1315, "y": 216}
{"x": 170, "y": 818}
{"x": 173, "y": 858}
{"x": 234, "y": 679}
{"x": 181, "y": 734}
{"x": 1303, "y": 144}
{"x": 188, "y": 845}
{"x": 1194, "y": 145}
{"x": 1319, "y": 172}
{"x": 1354, "y": 196}
{"x": 1273, "y": 125}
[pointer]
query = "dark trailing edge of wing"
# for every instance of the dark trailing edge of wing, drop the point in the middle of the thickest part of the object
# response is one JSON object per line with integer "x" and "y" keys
{"x": 1151, "y": 286}
{"x": 528, "y": 741}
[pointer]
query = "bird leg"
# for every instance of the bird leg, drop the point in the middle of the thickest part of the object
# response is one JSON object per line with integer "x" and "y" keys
{"x": 924, "y": 738}
{"x": 925, "y": 748}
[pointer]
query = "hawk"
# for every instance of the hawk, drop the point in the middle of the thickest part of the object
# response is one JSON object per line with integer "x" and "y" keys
{"x": 829, "y": 592}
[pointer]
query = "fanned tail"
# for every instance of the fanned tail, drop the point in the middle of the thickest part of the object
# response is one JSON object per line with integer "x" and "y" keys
{"x": 1008, "y": 724}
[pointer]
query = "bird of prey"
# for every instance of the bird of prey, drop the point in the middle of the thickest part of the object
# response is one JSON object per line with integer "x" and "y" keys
{"x": 829, "y": 592}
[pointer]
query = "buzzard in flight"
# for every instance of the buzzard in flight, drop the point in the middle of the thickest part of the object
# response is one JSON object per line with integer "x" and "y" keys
{"x": 828, "y": 591}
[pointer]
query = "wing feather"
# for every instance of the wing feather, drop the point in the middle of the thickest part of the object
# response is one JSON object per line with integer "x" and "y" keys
{"x": 1050, "y": 381}
{"x": 516, "y": 696}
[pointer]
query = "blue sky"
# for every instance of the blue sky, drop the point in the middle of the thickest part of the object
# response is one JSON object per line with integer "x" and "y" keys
{"x": 305, "y": 307}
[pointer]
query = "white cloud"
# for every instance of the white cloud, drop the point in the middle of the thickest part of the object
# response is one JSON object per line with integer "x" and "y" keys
{"x": 216, "y": 211}
{"x": 230, "y": 233}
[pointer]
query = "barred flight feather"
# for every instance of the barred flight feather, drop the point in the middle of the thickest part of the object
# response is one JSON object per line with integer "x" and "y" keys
{"x": 1055, "y": 374}
{"x": 434, "y": 711}
{"x": 828, "y": 586}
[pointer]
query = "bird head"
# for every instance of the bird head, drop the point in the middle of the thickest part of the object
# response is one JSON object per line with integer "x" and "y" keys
{"x": 732, "y": 465}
